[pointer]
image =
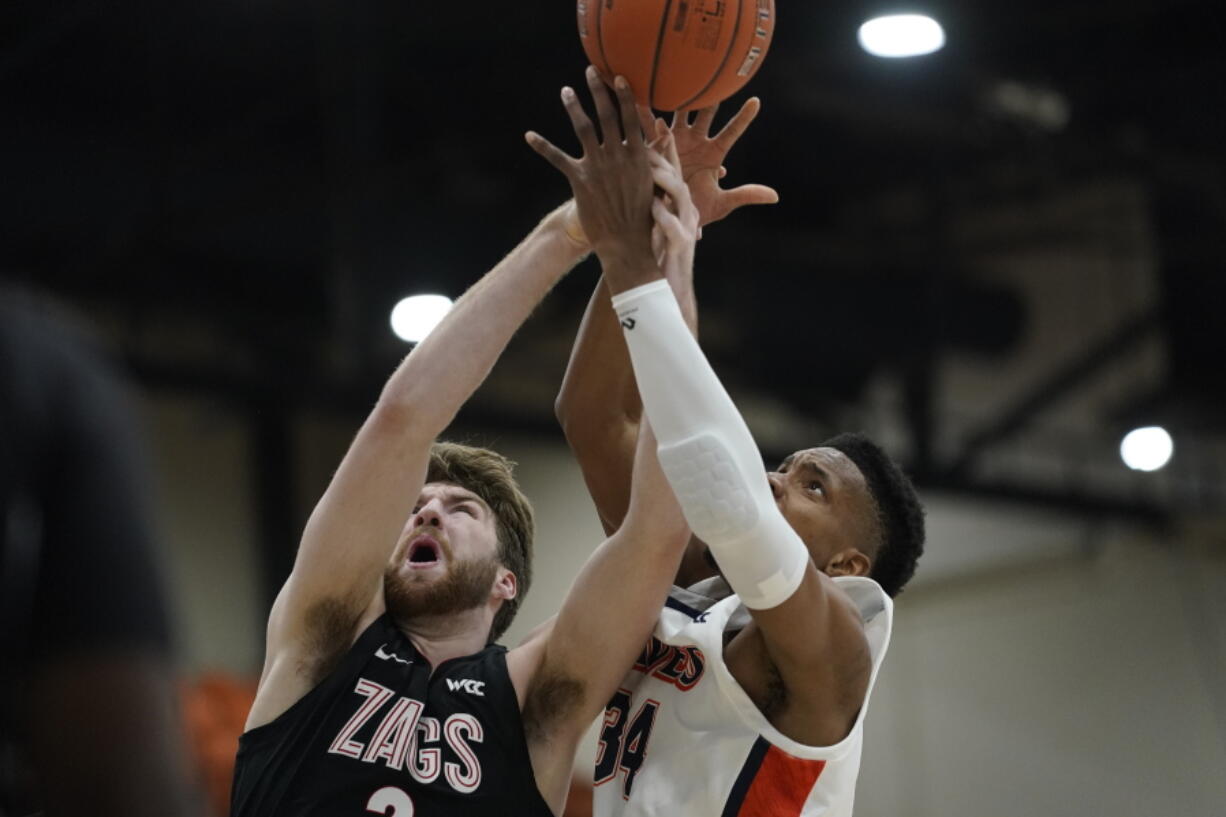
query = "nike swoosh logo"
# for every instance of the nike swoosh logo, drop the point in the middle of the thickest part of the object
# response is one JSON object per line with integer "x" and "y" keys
{"x": 385, "y": 655}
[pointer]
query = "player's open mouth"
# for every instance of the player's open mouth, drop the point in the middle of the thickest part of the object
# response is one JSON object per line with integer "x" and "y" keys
{"x": 424, "y": 552}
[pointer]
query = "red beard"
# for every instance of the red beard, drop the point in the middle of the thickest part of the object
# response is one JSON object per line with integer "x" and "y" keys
{"x": 465, "y": 585}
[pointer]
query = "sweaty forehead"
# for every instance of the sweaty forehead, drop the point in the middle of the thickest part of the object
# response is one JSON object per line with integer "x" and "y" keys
{"x": 448, "y": 492}
{"x": 831, "y": 460}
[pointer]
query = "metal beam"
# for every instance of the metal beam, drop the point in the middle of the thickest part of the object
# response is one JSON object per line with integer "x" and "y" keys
{"x": 1058, "y": 385}
{"x": 1142, "y": 511}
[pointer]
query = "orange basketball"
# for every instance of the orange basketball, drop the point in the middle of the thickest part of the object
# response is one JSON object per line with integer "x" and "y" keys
{"x": 678, "y": 54}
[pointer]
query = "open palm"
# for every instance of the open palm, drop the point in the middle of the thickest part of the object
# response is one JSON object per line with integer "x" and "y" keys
{"x": 702, "y": 161}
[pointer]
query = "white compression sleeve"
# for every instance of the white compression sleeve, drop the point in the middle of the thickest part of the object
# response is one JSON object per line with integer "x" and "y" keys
{"x": 707, "y": 452}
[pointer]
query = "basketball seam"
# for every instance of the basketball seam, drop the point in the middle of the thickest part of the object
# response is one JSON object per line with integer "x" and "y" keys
{"x": 600, "y": 37}
{"x": 736, "y": 30}
{"x": 655, "y": 57}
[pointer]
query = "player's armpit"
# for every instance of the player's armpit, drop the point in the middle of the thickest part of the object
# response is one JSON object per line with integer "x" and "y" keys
{"x": 806, "y": 662}
{"x": 548, "y": 698}
{"x": 551, "y": 703}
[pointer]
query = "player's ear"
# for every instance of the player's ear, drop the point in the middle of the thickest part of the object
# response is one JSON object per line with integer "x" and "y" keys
{"x": 505, "y": 585}
{"x": 849, "y": 562}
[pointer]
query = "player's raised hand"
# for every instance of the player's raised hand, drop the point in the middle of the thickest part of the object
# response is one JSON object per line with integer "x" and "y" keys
{"x": 676, "y": 218}
{"x": 702, "y": 161}
{"x": 611, "y": 180}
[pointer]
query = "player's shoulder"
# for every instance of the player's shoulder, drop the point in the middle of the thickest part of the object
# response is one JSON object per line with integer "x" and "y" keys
{"x": 293, "y": 671}
{"x": 865, "y": 594}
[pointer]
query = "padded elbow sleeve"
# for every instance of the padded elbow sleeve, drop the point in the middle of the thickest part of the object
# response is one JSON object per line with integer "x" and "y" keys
{"x": 707, "y": 452}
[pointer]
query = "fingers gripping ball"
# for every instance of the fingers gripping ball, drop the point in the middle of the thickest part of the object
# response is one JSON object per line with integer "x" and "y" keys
{"x": 677, "y": 54}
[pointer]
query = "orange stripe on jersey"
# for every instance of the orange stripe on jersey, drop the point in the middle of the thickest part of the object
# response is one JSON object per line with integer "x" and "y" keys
{"x": 781, "y": 786}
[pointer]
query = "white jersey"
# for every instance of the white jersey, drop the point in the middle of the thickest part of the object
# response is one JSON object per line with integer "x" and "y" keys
{"x": 682, "y": 738}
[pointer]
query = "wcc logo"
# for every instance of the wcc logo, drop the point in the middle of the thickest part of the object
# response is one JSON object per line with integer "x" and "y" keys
{"x": 466, "y": 685}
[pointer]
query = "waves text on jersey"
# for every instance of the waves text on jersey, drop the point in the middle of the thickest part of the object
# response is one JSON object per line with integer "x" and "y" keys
{"x": 680, "y": 666}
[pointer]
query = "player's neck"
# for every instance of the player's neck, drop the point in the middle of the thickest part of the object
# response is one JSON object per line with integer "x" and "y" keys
{"x": 441, "y": 638}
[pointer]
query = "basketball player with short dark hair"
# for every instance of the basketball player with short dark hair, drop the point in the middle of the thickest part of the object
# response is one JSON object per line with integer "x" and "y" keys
{"x": 382, "y": 691}
{"x": 749, "y": 699}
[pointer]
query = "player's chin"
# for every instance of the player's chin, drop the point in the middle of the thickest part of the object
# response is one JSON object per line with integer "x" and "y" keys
{"x": 403, "y": 589}
{"x": 407, "y": 574}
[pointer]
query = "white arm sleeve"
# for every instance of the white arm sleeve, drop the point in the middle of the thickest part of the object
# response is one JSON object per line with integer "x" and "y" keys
{"x": 707, "y": 452}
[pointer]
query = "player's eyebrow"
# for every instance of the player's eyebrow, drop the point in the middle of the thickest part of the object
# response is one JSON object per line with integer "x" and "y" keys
{"x": 455, "y": 495}
{"x": 462, "y": 495}
{"x": 823, "y": 474}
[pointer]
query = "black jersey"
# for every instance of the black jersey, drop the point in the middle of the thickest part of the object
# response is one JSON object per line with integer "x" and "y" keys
{"x": 381, "y": 734}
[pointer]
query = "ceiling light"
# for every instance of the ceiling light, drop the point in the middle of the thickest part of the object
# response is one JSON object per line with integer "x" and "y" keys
{"x": 414, "y": 317}
{"x": 1147, "y": 449}
{"x": 901, "y": 35}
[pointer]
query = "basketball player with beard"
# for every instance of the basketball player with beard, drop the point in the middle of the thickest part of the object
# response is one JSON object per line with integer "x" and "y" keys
{"x": 749, "y": 699}
{"x": 382, "y": 690}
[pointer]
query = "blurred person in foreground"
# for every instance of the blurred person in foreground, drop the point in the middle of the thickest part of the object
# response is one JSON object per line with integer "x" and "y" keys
{"x": 89, "y": 720}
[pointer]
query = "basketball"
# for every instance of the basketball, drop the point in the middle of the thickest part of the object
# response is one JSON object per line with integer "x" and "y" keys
{"x": 677, "y": 54}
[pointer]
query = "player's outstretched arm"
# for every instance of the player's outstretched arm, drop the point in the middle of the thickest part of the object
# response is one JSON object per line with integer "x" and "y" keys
{"x": 599, "y": 410}
{"x": 354, "y": 527}
{"x": 811, "y": 633}
{"x": 566, "y": 674}
{"x": 598, "y": 405}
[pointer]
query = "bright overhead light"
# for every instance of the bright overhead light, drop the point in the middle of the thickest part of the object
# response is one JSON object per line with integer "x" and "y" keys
{"x": 901, "y": 35}
{"x": 413, "y": 318}
{"x": 1147, "y": 449}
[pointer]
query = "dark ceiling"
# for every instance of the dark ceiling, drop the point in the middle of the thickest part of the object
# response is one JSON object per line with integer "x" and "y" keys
{"x": 260, "y": 181}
